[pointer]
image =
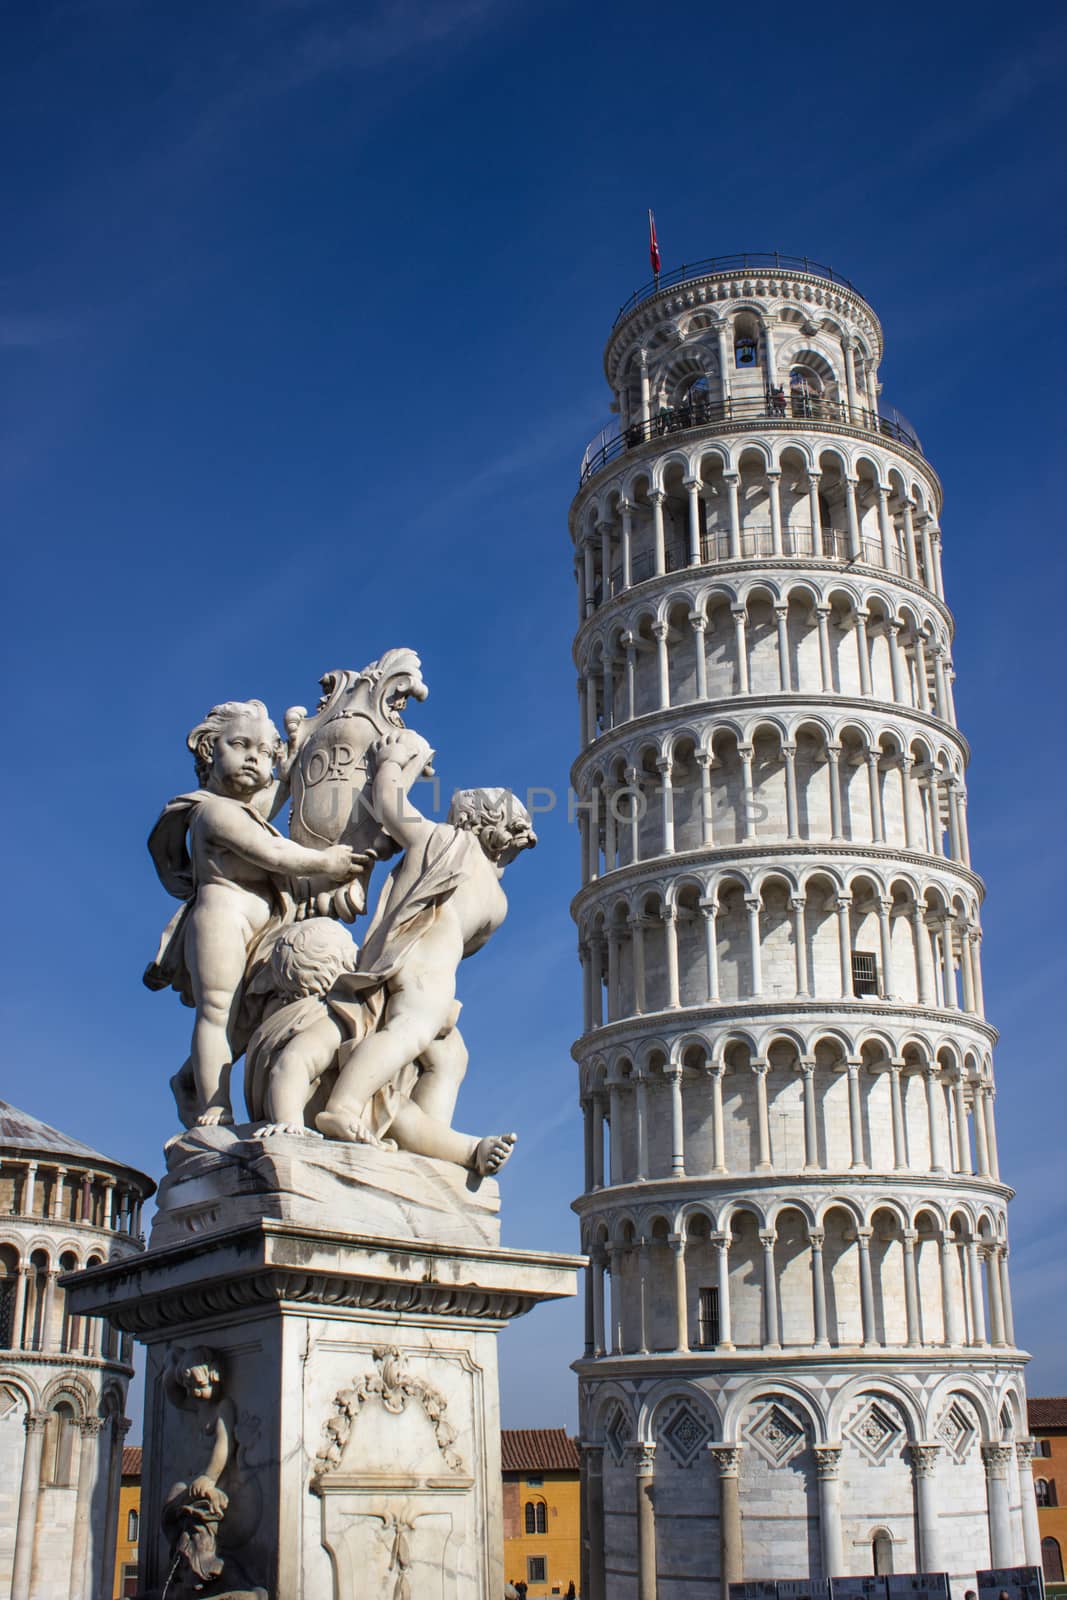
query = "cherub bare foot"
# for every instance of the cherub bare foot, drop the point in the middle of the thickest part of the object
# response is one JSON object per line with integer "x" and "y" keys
{"x": 269, "y": 1129}
{"x": 345, "y": 1126}
{"x": 492, "y": 1152}
{"x": 214, "y": 1117}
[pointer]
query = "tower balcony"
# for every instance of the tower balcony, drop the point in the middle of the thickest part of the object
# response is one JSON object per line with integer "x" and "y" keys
{"x": 775, "y": 410}
{"x": 749, "y": 263}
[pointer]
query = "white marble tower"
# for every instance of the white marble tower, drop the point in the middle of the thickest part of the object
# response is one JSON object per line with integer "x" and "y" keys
{"x": 800, "y": 1358}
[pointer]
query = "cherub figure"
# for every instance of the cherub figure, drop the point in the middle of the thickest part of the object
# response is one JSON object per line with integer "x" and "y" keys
{"x": 215, "y": 850}
{"x": 442, "y": 902}
{"x": 195, "y": 1376}
{"x": 320, "y": 1003}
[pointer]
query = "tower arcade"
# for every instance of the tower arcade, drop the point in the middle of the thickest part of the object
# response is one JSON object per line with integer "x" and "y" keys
{"x": 800, "y": 1357}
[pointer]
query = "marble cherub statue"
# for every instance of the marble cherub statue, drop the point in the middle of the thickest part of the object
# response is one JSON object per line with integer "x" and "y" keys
{"x": 442, "y": 902}
{"x": 216, "y": 851}
{"x": 318, "y": 1004}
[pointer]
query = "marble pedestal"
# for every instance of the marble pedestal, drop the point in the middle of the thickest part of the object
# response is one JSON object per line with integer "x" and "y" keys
{"x": 361, "y": 1362}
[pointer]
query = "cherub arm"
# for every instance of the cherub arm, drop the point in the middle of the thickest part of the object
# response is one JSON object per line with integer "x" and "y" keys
{"x": 400, "y": 757}
{"x": 226, "y": 823}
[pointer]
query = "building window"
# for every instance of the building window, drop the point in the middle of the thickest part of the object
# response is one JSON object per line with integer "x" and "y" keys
{"x": 1052, "y": 1559}
{"x": 133, "y": 1522}
{"x": 536, "y": 1569}
{"x": 1044, "y": 1447}
{"x": 536, "y": 1516}
{"x": 1045, "y": 1491}
{"x": 128, "y": 1580}
{"x": 864, "y": 972}
{"x": 534, "y": 1480}
{"x": 7, "y": 1312}
{"x": 708, "y": 1318}
{"x": 882, "y": 1551}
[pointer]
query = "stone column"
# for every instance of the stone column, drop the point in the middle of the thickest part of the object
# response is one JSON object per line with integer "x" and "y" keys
{"x": 637, "y": 945}
{"x": 933, "y": 1093}
{"x": 670, "y": 931}
{"x": 827, "y": 1466}
{"x": 614, "y": 1131}
{"x": 947, "y": 969}
{"x": 885, "y": 938}
{"x": 745, "y": 751}
{"x": 731, "y": 481}
{"x": 792, "y": 802}
{"x": 797, "y": 903}
{"x": 626, "y": 512}
{"x": 833, "y": 756}
{"x": 721, "y": 1242}
{"x": 1024, "y": 1454}
{"x": 813, "y": 511}
{"x": 709, "y": 911}
{"x": 811, "y": 1138}
{"x": 657, "y": 497}
{"x": 718, "y": 1128}
{"x": 673, "y": 1074}
{"x": 593, "y": 1472}
{"x": 597, "y": 1269}
{"x": 996, "y": 1308}
{"x": 974, "y": 1275}
{"x": 50, "y": 1340}
{"x": 588, "y": 575}
{"x": 922, "y": 687}
{"x": 911, "y": 1290}
{"x": 693, "y": 488}
{"x": 896, "y": 666}
{"x": 907, "y": 507}
{"x": 912, "y": 830}
{"x": 597, "y": 1113}
{"x": 699, "y": 622}
{"x": 843, "y": 902}
{"x": 818, "y": 1289}
{"x": 667, "y": 795}
{"x": 659, "y": 633}
{"x": 643, "y": 1457}
{"x": 642, "y": 1297}
{"x": 731, "y": 1550}
{"x": 57, "y": 1198}
{"x": 822, "y": 615}
{"x": 774, "y": 482}
{"x": 640, "y": 1084}
{"x": 781, "y": 620}
{"x": 18, "y": 1314}
{"x": 706, "y": 761}
{"x": 855, "y": 546}
{"x": 923, "y": 1466}
{"x": 874, "y": 784}
{"x": 740, "y": 617}
{"x": 981, "y": 1147}
{"x": 863, "y": 1239}
{"x": 681, "y": 1296}
{"x": 996, "y": 1459}
{"x": 863, "y": 652}
{"x": 896, "y": 1101}
{"x": 885, "y": 528}
{"x": 752, "y": 906}
{"x": 763, "y": 1121}
{"x": 29, "y": 1494}
{"x": 1005, "y": 1297}
{"x": 81, "y": 1575}
{"x": 614, "y": 1259}
{"x": 923, "y": 959}
{"x": 963, "y": 1142}
{"x": 771, "y": 1338}
{"x": 855, "y": 1114}
{"x": 953, "y": 1333}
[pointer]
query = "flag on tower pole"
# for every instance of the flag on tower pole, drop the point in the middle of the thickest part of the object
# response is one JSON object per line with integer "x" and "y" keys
{"x": 653, "y": 245}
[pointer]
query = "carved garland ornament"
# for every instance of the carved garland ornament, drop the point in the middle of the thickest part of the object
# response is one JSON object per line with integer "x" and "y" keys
{"x": 393, "y": 1385}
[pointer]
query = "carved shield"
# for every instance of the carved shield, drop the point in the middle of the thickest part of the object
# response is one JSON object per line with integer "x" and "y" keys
{"x": 329, "y": 776}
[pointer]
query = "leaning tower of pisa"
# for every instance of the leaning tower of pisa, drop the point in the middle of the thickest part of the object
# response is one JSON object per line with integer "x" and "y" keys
{"x": 799, "y": 1357}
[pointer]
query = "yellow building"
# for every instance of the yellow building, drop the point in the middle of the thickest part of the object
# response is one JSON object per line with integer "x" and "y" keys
{"x": 129, "y": 1523}
{"x": 1048, "y": 1427}
{"x": 542, "y": 1519}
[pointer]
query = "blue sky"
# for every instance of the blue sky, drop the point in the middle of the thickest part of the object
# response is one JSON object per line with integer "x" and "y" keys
{"x": 301, "y": 313}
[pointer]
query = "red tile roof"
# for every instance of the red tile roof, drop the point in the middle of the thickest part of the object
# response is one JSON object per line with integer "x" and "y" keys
{"x": 1050, "y": 1412}
{"x": 131, "y": 1461}
{"x": 538, "y": 1450}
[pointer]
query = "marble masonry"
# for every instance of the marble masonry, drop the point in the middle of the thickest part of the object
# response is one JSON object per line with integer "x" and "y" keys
{"x": 324, "y": 1281}
{"x": 800, "y": 1356}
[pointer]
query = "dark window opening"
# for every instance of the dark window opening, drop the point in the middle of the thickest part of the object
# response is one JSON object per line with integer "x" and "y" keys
{"x": 746, "y": 353}
{"x": 864, "y": 973}
{"x": 537, "y": 1569}
{"x": 536, "y": 1516}
{"x": 708, "y": 1318}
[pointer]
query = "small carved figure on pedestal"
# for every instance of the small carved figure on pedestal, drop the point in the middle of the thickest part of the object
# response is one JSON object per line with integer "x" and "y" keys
{"x": 195, "y": 1514}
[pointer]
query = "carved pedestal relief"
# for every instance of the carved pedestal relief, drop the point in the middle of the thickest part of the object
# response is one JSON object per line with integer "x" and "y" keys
{"x": 398, "y": 1514}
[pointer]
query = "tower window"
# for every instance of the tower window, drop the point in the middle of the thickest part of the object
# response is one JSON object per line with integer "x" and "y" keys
{"x": 864, "y": 973}
{"x": 708, "y": 1318}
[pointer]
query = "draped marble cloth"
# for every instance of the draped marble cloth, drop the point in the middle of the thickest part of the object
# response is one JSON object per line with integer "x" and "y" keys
{"x": 168, "y": 845}
{"x": 422, "y": 881}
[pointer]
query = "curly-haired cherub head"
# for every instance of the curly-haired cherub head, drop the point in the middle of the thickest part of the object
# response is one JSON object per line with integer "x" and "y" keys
{"x": 195, "y": 1373}
{"x": 499, "y": 818}
{"x": 235, "y": 748}
{"x": 310, "y": 957}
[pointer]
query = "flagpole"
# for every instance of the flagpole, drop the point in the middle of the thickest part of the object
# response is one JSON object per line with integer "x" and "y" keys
{"x": 653, "y": 246}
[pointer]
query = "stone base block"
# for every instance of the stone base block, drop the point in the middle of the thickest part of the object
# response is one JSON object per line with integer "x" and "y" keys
{"x": 356, "y": 1374}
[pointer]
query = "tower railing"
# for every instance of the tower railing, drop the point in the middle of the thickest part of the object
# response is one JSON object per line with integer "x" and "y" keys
{"x": 749, "y": 261}
{"x": 777, "y": 407}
